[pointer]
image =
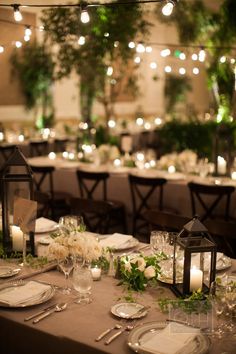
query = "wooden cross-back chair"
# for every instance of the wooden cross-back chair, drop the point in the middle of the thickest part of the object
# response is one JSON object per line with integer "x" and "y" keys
{"x": 93, "y": 185}
{"x": 142, "y": 189}
{"x": 96, "y": 213}
{"x": 44, "y": 186}
{"x": 205, "y": 199}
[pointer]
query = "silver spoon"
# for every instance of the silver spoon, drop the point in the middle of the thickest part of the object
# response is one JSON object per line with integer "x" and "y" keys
{"x": 103, "y": 334}
{"x": 127, "y": 328}
{"x": 57, "y": 308}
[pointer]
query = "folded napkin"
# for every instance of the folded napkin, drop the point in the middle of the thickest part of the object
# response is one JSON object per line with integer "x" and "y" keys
{"x": 17, "y": 295}
{"x": 173, "y": 339}
{"x": 116, "y": 240}
{"x": 44, "y": 225}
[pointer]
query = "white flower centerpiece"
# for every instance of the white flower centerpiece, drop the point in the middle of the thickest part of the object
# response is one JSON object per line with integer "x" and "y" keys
{"x": 79, "y": 245}
{"x": 185, "y": 161}
{"x": 136, "y": 272}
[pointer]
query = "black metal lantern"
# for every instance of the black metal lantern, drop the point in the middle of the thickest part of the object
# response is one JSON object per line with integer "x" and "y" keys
{"x": 194, "y": 261}
{"x": 16, "y": 182}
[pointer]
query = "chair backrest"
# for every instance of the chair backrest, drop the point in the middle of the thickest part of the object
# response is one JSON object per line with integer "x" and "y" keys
{"x": 5, "y": 153}
{"x": 60, "y": 145}
{"x": 142, "y": 188}
{"x": 38, "y": 148}
{"x": 96, "y": 213}
{"x": 224, "y": 234}
{"x": 165, "y": 221}
{"x": 43, "y": 176}
{"x": 205, "y": 199}
{"x": 90, "y": 182}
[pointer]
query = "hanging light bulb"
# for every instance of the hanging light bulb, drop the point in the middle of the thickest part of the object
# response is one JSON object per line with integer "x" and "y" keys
{"x": 28, "y": 31}
{"x": 109, "y": 71}
{"x": 165, "y": 52}
{"x": 194, "y": 57}
{"x": 223, "y": 59}
{"x": 26, "y": 38}
{"x": 195, "y": 71}
{"x": 84, "y": 17}
{"x": 131, "y": 45}
{"x": 182, "y": 56}
{"x": 1, "y": 49}
{"x": 202, "y": 55}
{"x": 17, "y": 14}
{"x": 182, "y": 71}
{"x": 140, "y": 48}
{"x": 148, "y": 49}
{"x": 168, "y": 8}
{"x": 137, "y": 60}
{"x": 153, "y": 65}
{"x": 81, "y": 40}
{"x": 168, "y": 69}
{"x": 18, "y": 44}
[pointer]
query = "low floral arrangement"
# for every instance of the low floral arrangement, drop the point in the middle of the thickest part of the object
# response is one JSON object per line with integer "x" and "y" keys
{"x": 136, "y": 272}
{"x": 185, "y": 161}
{"x": 77, "y": 244}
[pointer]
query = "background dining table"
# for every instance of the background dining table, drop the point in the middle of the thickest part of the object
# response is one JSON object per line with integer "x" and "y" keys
{"x": 176, "y": 197}
{"x": 74, "y": 330}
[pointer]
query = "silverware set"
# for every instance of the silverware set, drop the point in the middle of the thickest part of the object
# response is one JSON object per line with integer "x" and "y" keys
{"x": 120, "y": 327}
{"x": 40, "y": 315}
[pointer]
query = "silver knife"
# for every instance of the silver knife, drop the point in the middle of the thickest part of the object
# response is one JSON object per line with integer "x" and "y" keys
{"x": 39, "y": 312}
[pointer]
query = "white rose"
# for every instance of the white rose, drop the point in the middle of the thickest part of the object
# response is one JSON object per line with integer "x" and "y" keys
{"x": 149, "y": 272}
{"x": 141, "y": 264}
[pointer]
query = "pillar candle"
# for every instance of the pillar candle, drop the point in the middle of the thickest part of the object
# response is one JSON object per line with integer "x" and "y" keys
{"x": 17, "y": 238}
{"x": 196, "y": 277}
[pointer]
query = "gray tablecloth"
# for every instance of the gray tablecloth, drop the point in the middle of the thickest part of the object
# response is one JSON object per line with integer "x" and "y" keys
{"x": 73, "y": 331}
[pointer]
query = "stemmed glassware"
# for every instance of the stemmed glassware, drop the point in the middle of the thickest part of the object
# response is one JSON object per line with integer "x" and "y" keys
{"x": 66, "y": 265}
{"x": 72, "y": 223}
{"x": 82, "y": 282}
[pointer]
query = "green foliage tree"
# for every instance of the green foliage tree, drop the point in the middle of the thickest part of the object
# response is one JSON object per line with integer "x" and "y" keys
{"x": 34, "y": 67}
{"x": 106, "y": 39}
{"x": 175, "y": 91}
{"x": 216, "y": 32}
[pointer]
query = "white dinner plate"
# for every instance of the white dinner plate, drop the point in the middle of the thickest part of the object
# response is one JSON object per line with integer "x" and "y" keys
{"x": 128, "y": 309}
{"x": 130, "y": 243}
{"x": 41, "y": 298}
{"x": 6, "y": 271}
{"x": 144, "y": 332}
{"x": 44, "y": 225}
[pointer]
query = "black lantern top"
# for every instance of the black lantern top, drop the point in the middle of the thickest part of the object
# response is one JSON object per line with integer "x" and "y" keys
{"x": 16, "y": 159}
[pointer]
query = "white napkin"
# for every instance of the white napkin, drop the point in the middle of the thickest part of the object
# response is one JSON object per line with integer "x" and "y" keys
{"x": 16, "y": 295}
{"x": 172, "y": 339}
{"x": 116, "y": 240}
{"x": 44, "y": 225}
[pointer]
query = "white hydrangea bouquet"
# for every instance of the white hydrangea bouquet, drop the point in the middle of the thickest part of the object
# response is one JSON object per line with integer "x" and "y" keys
{"x": 79, "y": 244}
{"x": 137, "y": 271}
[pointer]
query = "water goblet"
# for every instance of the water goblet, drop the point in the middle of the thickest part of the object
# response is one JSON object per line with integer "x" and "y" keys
{"x": 72, "y": 223}
{"x": 66, "y": 265}
{"x": 82, "y": 282}
{"x": 157, "y": 240}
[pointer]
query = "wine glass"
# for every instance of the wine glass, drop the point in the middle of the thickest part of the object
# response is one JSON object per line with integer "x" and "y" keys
{"x": 157, "y": 240}
{"x": 217, "y": 296}
{"x": 72, "y": 223}
{"x": 66, "y": 265}
{"x": 82, "y": 282}
{"x": 230, "y": 300}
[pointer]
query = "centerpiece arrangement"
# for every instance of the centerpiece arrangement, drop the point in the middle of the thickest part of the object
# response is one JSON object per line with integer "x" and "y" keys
{"x": 79, "y": 245}
{"x": 137, "y": 272}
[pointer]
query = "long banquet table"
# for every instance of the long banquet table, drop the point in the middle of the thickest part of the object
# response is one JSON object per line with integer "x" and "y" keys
{"x": 176, "y": 196}
{"x": 73, "y": 331}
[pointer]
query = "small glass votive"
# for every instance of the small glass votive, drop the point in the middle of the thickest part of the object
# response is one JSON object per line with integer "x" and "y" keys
{"x": 96, "y": 272}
